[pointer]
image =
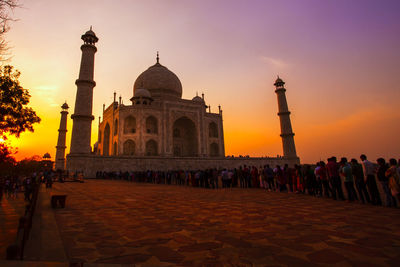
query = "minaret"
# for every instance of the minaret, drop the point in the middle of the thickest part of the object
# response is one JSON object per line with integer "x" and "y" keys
{"x": 62, "y": 132}
{"x": 82, "y": 117}
{"x": 289, "y": 149}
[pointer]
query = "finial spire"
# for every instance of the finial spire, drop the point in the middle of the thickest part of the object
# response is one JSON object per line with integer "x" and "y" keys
{"x": 279, "y": 82}
{"x": 158, "y": 58}
{"x": 90, "y": 27}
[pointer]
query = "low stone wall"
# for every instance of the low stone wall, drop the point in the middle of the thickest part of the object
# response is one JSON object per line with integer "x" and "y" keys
{"x": 90, "y": 164}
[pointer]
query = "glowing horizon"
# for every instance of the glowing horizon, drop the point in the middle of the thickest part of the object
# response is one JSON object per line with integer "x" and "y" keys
{"x": 339, "y": 61}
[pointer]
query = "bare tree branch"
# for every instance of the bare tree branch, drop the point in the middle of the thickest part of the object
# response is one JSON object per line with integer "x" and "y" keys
{"x": 6, "y": 6}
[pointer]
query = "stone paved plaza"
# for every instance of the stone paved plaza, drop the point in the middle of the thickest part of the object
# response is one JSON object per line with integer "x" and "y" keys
{"x": 159, "y": 225}
{"x": 10, "y": 212}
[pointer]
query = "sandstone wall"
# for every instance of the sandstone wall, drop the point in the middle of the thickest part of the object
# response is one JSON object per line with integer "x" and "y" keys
{"x": 90, "y": 164}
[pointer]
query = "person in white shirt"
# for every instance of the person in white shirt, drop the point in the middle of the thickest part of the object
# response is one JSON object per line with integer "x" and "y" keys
{"x": 369, "y": 178}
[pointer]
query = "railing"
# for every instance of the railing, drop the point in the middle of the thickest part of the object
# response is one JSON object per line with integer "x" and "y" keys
{"x": 15, "y": 251}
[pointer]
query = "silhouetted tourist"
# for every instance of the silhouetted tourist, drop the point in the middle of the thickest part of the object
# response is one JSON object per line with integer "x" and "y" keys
{"x": 215, "y": 177}
{"x": 287, "y": 178}
{"x": 346, "y": 172}
{"x": 48, "y": 180}
{"x": 254, "y": 177}
{"x": 358, "y": 175}
{"x": 269, "y": 172}
{"x": 241, "y": 177}
{"x": 225, "y": 178}
{"x": 310, "y": 179}
{"x": 247, "y": 176}
{"x": 300, "y": 179}
{"x": 28, "y": 188}
{"x": 280, "y": 179}
{"x": 369, "y": 178}
{"x": 263, "y": 177}
{"x": 333, "y": 173}
{"x": 318, "y": 181}
{"x": 393, "y": 176}
{"x": 231, "y": 174}
{"x": 384, "y": 181}
{"x": 324, "y": 179}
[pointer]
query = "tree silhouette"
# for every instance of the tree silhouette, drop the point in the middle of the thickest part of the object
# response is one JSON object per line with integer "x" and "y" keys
{"x": 15, "y": 116}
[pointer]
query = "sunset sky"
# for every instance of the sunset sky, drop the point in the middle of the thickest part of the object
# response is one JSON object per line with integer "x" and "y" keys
{"x": 340, "y": 60}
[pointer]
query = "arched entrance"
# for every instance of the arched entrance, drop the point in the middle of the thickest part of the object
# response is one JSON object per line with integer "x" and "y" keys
{"x": 213, "y": 130}
{"x": 106, "y": 141}
{"x": 130, "y": 125}
{"x": 214, "y": 150}
{"x": 151, "y": 148}
{"x": 129, "y": 147}
{"x": 151, "y": 125}
{"x": 184, "y": 138}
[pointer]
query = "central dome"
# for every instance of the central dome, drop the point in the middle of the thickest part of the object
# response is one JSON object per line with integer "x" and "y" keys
{"x": 160, "y": 82}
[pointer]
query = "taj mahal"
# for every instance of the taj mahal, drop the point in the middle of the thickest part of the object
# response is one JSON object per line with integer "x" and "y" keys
{"x": 159, "y": 122}
{"x": 157, "y": 130}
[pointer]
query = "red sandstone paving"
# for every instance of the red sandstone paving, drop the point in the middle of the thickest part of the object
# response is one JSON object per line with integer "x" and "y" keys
{"x": 10, "y": 212}
{"x": 160, "y": 225}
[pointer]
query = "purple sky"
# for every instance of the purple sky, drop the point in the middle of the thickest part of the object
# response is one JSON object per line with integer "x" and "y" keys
{"x": 340, "y": 59}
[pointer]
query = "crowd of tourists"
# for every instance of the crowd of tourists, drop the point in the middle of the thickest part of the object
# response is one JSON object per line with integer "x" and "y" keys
{"x": 324, "y": 179}
{"x": 10, "y": 186}
{"x": 359, "y": 181}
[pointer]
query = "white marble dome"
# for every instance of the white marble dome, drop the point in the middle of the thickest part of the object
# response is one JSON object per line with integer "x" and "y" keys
{"x": 160, "y": 82}
{"x": 141, "y": 92}
{"x": 198, "y": 99}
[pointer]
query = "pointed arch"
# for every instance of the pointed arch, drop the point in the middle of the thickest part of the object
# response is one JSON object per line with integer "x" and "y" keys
{"x": 214, "y": 150}
{"x": 151, "y": 148}
{"x": 213, "y": 130}
{"x": 106, "y": 140}
{"x": 151, "y": 125}
{"x": 129, "y": 147}
{"x": 184, "y": 138}
{"x": 130, "y": 125}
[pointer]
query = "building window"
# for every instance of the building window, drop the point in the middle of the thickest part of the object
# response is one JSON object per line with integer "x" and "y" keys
{"x": 214, "y": 150}
{"x": 151, "y": 125}
{"x": 129, "y": 125}
{"x": 213, "y": 130}
{"x": 151, "y": 148}
{"x": 129, "y": 147}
